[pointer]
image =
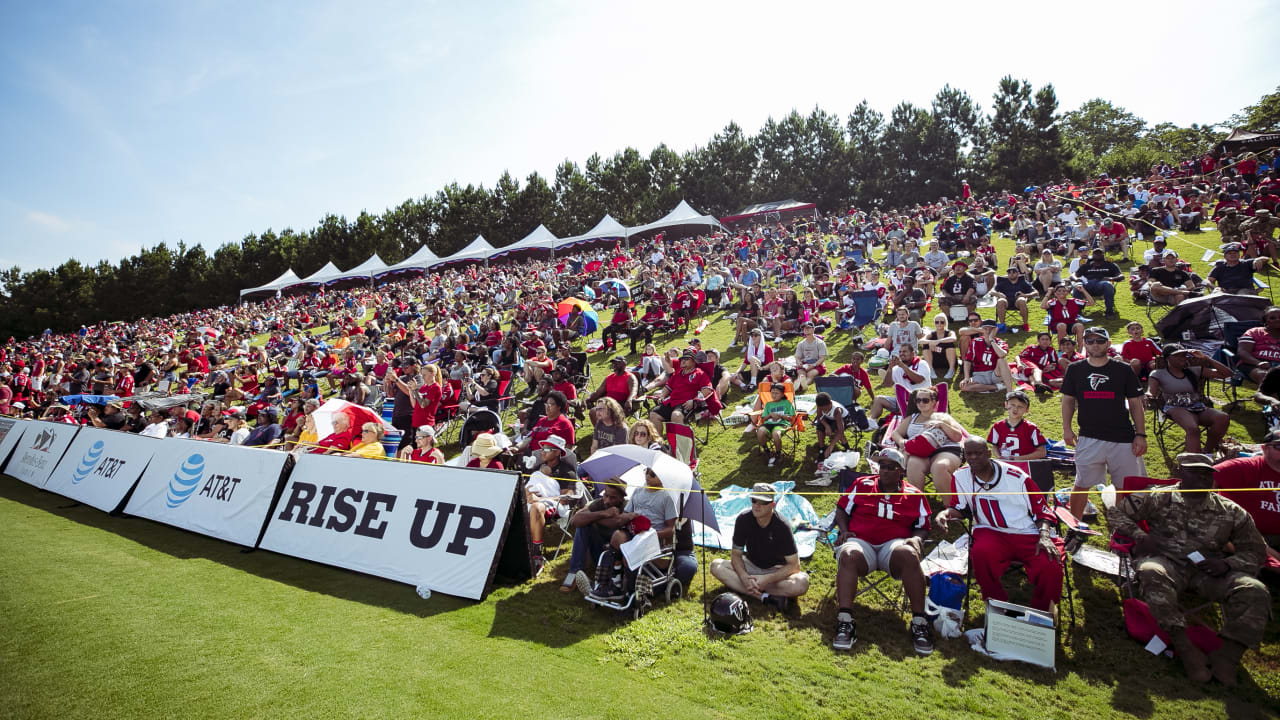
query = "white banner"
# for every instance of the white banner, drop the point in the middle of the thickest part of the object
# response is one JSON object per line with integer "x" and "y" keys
{"x": 223, "y": 491}
{"x": 10, "y": 433}
{"x": 40, "y": 450}
{"x": 101, "y": 466}
{"x": 430, "y": 525}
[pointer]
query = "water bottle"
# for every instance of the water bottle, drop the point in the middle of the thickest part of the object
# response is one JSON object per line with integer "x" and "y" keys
{"x": 424, "y": 592}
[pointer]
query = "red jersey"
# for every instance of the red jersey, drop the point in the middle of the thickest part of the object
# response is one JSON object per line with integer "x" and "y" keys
{"x": 1145, "y": 350}
{"x": 860, "y": 376}
{"x": 1064, "y": 312}
{"x": 1043, "y": 358}
{"x": 545, "y": 428}
{"x": 878, "y": 518}
{"x": 566, "y": 387}
{"x": 981, "y": 355}
{"x": 1011, "y": 504}
{"x": 1015, "y": 441}
{"x": 686, "y": 386}
{"x": 1252, "y": 472}
{"x": 425, "y": 413}
{"x": 1265, "y": 347}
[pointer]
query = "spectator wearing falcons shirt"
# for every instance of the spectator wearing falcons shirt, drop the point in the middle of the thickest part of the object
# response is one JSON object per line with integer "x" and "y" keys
{"x": 1011, "y": 521}
{"x": 1016, "y": 438}
{"x": 985, "y": 368}
{"x": 959, "y": 288}
{"x": 882, "y": 523}
{"x": 1038, "y": 364}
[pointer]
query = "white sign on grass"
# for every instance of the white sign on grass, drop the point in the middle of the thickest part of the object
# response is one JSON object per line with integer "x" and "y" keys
{"x": 37, "y": 454}
{"x": 101, "y": 466}
{"x": 431, "y": 525}
{"x": 222, "y": 491}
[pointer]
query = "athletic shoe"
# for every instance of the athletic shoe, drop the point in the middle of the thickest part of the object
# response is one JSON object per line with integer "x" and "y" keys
{"x": 773, "y": 460}
{"x": 582, "y": 582}
{"x": 922, "y": 636}
{"x": 846, "y": 632}
{"x": 951, "y": 372}
{"x": 1026, "y": 327}
{"x": 1001, "y": 328}
{"x": 781, "y": 604}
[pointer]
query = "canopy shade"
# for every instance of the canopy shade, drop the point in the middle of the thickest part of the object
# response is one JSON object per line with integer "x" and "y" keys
{"x": 1241, "y": 139}
{"x": 606, "y": 229}
{"x": 539, "y": 241}
{"x": 328, "y": 273}
{"x": 682, "y": 216}
{"x": 420, "y": 260}
{"x": 364, "y": 270}
{"x": 478, "y": 251}
{"x": 288, "y": 278}
{"x": 789, "y": 208}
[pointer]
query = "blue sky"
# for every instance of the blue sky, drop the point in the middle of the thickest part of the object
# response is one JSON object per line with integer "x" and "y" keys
{"x": 127, "y": 124}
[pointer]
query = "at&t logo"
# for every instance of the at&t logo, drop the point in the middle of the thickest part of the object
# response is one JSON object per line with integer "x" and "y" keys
{"x": 87, "y": 463}
{"x": 185, "y": 480}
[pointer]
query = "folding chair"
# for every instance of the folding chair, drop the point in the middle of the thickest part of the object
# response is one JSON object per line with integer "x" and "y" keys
{"x": 448, "y": 410}
{"x": 1122, "y": 545}
{"x": 1232, "y": 331}
{"x": 505, "y": 397}
{"x": 866, "y": 310}
{"x": 797, "y": 422}
{"x": 683, "y": 444}
{"x": 904, "y": 398}
{"x": 841, "y": 389}
{"x": 582, "y": 375}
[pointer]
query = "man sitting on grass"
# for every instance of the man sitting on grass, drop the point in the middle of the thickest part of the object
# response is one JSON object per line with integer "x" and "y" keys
{"x": 764, "y": 563}
{"x": 882, "y": 524}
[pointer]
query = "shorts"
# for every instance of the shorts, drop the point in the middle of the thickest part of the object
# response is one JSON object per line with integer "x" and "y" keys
{"x": 753, "y": 569}
{"x": 664, "y": 411}
{"x": 820, "y": 367}
{"x": 987, "y": 377}
{"x": 1095, "y": 459}
{"x": 891, "y": 403}
{"x": 877, "y": 556}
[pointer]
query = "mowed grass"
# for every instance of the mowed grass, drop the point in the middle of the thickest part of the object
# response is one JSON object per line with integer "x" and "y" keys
{"x": 122, "y": 617}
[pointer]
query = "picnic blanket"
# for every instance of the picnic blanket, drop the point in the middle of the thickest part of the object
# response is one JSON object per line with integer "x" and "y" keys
{"x": 795, "y": 510}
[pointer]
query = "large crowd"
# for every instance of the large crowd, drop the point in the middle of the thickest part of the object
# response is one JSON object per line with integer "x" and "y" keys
{"x": 497, "y": 358}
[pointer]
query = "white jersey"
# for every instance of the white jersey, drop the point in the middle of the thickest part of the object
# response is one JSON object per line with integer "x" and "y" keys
{"x": 1012, "y": 504}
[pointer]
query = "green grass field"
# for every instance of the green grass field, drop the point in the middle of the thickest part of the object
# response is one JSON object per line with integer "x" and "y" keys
{"x": 121, "y": 617}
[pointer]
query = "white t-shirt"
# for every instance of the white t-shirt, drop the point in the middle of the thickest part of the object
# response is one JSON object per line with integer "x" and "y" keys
{"x": 1069, "y": 217}
{"x": 238, "y": 437}
{"x": 920, "y": 367}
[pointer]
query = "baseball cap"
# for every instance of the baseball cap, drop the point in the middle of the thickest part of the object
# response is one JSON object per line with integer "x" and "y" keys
{"x": 1173, "y": 349}
{"x": 960, "y": 263}
{"x": 1232, "y": 247}
{"x": 1199, "y": 461}
{"x": 427, "y": 430}
{"x": 893, "y": 455}
{"x": 1097, "y": 330}
{"x": 763, "y": 492}
{"x": 989, "y": 323}
{"x": 618, "y": 359}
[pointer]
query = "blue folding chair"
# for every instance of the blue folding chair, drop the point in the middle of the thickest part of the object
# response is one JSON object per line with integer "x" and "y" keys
{"x": 866, "y": 309}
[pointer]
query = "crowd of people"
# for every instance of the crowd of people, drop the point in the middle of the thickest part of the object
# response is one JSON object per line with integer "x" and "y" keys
{"x": 494, "y": 354}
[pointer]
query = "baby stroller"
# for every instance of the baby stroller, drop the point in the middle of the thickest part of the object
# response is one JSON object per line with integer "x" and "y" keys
{"x": 638, "y": 588}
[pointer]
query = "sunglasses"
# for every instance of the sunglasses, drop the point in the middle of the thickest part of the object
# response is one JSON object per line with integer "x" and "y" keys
{"x": 923, "y": 400}
{"x": 1096, "y": 341}
{"x": 939, "y": 322}
{"x": 759, "y": 502}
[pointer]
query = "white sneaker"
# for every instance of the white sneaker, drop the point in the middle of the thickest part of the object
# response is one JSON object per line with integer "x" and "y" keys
{"x": 950, "y": 374}
{"x": 773, "y": 460}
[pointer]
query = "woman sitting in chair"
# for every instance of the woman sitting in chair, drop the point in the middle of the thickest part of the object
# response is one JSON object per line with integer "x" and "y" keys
{"x": 931, "y": 439}
{"x": 1175, "y": 388}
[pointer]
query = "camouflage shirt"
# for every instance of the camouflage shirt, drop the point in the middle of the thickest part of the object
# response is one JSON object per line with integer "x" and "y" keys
{"x": 1229, "y": 226}
{"x": 1207, "y": 528}
{"x": 1265, "y": 226}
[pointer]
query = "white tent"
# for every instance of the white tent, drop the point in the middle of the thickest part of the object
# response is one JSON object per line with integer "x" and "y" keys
{"x": 420, "y": 260}
{"x": 606, "y": 229}
{"x": 328, "y": 273}
{"x": 682, "y": 215}
{"x": 540, "y": 240}
{"x": 364, "y": 270}
{"x": 288, "y": 278}
{"x": 478, "y": 251}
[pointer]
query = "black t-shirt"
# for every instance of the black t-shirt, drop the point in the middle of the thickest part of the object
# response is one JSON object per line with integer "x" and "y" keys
{"x": 1176, "y": 277}
{"x": 766, "y": 546}
{"x": 1231, "y": 278}
{"x": 957, "y": 285}
{"x": 914, "y": 295}
{"x": 1100, "y": 394}
{"x": 1098, "y": 271}
{"x": 113, "y": 421}
{"x": 1011, "y": 289}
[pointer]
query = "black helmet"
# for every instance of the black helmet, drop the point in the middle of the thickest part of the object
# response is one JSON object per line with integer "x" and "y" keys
{"x": 730, "y": 614}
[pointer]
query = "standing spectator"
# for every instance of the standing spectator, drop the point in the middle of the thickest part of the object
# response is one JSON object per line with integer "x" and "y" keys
{"x": 1101, "y": 387}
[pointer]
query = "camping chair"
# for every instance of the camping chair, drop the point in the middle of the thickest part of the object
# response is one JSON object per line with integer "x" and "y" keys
{"x": 576, "y": 501}
{"x": 505, "y": 397}
{"x": 1228, "y": 355}
{"x": 683, "y": 444}
{"x": 866, "y": 310}
{"x": 581, "y": 376}
{"x": 1170, "y": 436}
{"x": 904, "y": 398}
{"x": 841, "y": 389}
{"x": 797, "y": 422}
{"x": 448, "y": 410}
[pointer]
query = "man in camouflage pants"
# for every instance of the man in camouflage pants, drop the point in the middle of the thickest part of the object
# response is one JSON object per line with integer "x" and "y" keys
{"x": 1264, "y": 226}
{"x": 1185, "y": 548}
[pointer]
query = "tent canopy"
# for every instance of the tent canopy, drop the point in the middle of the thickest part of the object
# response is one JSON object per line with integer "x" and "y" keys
{"x": 539, "y": 241}
{"x": 682, "y": 215}
{"x": 420, "y": 260}
{"x": 606, "y": 229}
{"x": 364, "y": 270}
{"x": 328, "y": 273}
{"x": 1241, "y": 139}
{"x": 288, "y": 278}
{"x": 784, "y": 206}
{"x": 478, "y": 251}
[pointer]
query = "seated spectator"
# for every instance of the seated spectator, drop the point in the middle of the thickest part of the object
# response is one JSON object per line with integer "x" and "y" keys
{"x": 1175, "y": 387}
{"x": 756, "y": 355}
{"x": 764, "y": 563}
{"x": 1064, "y": 312}
{"x": 1017, "y": 439}
{"x": 619, "y": 385}
{"x": 1048, "y": 273}
{"x": 829, "y": 420}
{"x": 940, "y": 348}
{"x": 424, "y": 449}
{"x": 985, "y": 367}
{"x": 1013, "y": 291}
{"x": 1170, "y": 283}
{"x": 484, "y": 452}
{"x": 370, "y": 443}
{"x": 644, "y": 434}
{"x": 1099, "y": 276}
{"x": 1139, "y": 351}
{"x": 1232, "y": 275}
{"x": 775, "y": 418}
{"x": 907, "y": 370}
{"x": 686, "y": 392}
{"x": 912, "y": 298}
{"x": 958, "y": 288}
{"x": 556, "y": 465}
{"x": 1187, "y": 538}
{"x": 811, "y": 356}
{"x": 593, "y": 526}
{"x": 882, "y": 523}
{"x": 553, "y": 422}
{"x": 1011, "y": 521}
{"x": 1038, "y": 364}
{"x": 1112, "y": 236}
{"x": 338, "y": 441}
{"x": 1259, "y": 348}
{"x": 609, "y": 424}
{"x": 654, "y": 506}
{"x": 930, "y": 439}
{"x": 267, "y": 431}
{"x": 862, "y": 380}
{"x": 1236, "y": 479}
{"x": 903, "y": 330}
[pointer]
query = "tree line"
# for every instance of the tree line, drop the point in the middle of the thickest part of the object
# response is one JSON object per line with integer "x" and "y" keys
{"x": 913, "y": 154}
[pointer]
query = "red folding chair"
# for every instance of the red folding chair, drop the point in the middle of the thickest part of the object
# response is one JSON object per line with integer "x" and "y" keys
{"x": 683, "y": 444}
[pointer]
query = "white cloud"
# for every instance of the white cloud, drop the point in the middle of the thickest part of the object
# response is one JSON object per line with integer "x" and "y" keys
{"x": 48, "y": 221}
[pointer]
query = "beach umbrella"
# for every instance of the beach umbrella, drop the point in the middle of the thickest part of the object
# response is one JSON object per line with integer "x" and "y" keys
{"x": 357, "y": 414}
{"x": 628, "y": 463}
{"x": 590, "y": 320}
